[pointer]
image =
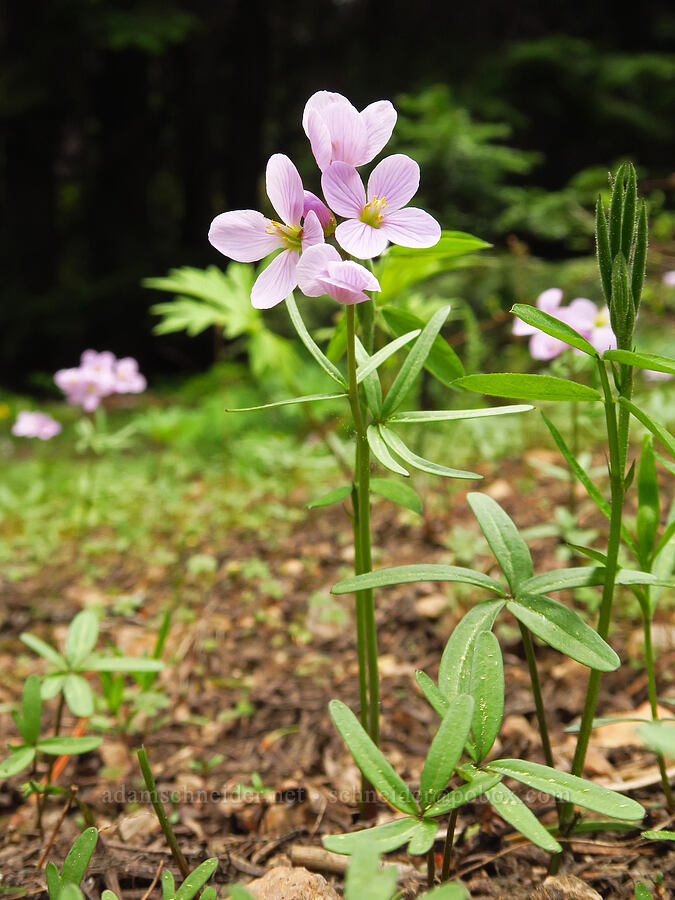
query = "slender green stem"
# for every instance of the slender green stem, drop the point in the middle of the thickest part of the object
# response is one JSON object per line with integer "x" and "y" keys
{"x": 160, "y": 812}
{"x": 431, "y": 868}
{"x": 449, "y": 841}
{"x": 653, "y": 696}
{"x": 360, "y": 619}
{"x": 536, "y": 691}
{"x": 363, "y": 554}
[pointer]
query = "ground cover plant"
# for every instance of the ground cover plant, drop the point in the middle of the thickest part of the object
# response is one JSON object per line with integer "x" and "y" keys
{"x": 461, "y": 772}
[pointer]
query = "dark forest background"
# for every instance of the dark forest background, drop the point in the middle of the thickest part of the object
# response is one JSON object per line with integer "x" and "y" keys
{"x": 125, "y": 127}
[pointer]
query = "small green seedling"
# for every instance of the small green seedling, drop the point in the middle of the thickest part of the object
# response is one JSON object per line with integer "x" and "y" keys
{"x": 67, "y": 669}
{"x": 190, "y": 887}
{"x": 28, "y": 722}
{"x": 74, "y": 866}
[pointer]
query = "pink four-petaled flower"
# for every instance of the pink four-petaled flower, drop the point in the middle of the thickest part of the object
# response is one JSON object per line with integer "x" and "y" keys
{"x": 247, "y": 235}
{"x": 35, "y": 425}
{"x": 376, "y": 217}
{"x": 322, "y": 271}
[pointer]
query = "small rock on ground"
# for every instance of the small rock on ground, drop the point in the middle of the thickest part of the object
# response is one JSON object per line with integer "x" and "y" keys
{"x": 282, "y": 883}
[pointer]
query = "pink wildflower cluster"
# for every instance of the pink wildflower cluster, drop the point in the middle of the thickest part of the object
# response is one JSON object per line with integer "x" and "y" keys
{"x": 35, "y": 425}
{"x": 581, "y": 314}
{"x": 342, "y": 139}
{"x": 99, "y": 375}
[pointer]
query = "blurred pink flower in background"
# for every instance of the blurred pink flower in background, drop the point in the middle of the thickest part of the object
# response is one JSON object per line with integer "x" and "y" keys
{"x": 247, "y": 235}
{"x": 35, "y": 425}
{"x": 323, "y": 271}
{"x": 338, "y": 132}
{"x": 99, "y": 375}
{"x": 128, "y": 380}
{"x": 668, "y": 279}
{"x": 376, "y": 218}
{"x": 581, "y": 314}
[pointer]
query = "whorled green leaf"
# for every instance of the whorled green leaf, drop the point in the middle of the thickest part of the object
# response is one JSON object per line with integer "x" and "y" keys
{"x": 381, "y": 452}
{"x": 446, "y": 749}
{"x": 661, "y": 835}
{"x": 418, "y": 462}
{"x": 436, "y": 700}
{"x": 382, "y": 838}
{"x": 414, "y": 362}
{"x": 420, "y": 572}
{"x": 447, "y": 891}
{"x": 512, "y": 809}
{"x": 564, "y": 630}
{"x": 78, "y": 695}
{"x": 527, "y": 387}
{"x": 197, "y": 879}
{"x": 78, "y": 857}
{"x": 442, "y": 361}
{"x": 451, "y": 415}
{"x": 237, "y": 892}
{"x": 564, "y": 579}
{"x": 70, "y": 892}
{"x": 31, "y": 704}
{"x": 464, "y": 794}
{"x": 82, "y": 636}
{"x": 423, "y": 839}
{"x": 487, "y": 690}
{"x": 124, "y": 664}
{"x": 650, "y": 361}
{"x": 569, "y": 788}
{"x": 18, "y": 761}
{"x": 309, "y": 398}
{"x": 398, "y": 492}
{"x": 376, "y": 360}
{"x": 510, "y": 550}
{"x": 111, "y": 895}
{"x": 53, "y": 881}
{"x": 310, "y": 344}
{"x": 554, "y": 327}
{"x": 334, "y": 496}
{"x": 454, "y": 674}
{"x": 364, "y": 878}
{"x": 659, "y": 736}
{"x": 51, "y": 685}
{"x": 168, "y": 886}
{"x": 370, "y": 760}
{"x": 45, "y": 650}
{"x": 68, "y": 746}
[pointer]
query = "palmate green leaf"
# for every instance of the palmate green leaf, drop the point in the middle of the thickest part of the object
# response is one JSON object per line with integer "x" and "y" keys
{"x": 123, "y": 664}
{"x": 383, "y": 838}
{"x": 464, "y": 794}
{"x": 334, "y": 496}
{"x": 31, "y": 704}
{"x": 454, "y": 674}
{"x": 78, "y": 695}
{"x": 555, "y": 327}
{"x": 569, "y": 788}
{"x": 436, "y": 700}
{"x": 416, "y": 572}
{"x": 660, "y": 433}
{"x": 68, "y": 746}
{"x": 650, "y": 361}
{"x": 371, "y": 382}
{"x": 370, "y": 760}
{"x": 76, "y": 862}
{"x": 45, "y": 650}
{"x": 564, "y": 630}
{"x": 448, "y": 415}
{"x": 528, "y": 387}
{"x": 364, "y": 878}
{"x": 512, "y": 809}
{"x": 414, "y": 362}
{"x": 376, "y": 360}
{"x": 197, "y": 879}
{"x": 398, "y": 492}
{"x": 418, "y": 462}
{"x": 309, "y": 398}
{"x": 310, "y": 344}
{"x": 381, "y": 452}
{"x": 509, "y": 549}
{"x": 82, "y": 635}
{"x": 659, "y": 736}
{"x": 442, "y": 361}
{"x": 446, "y": 749}
{"x": 17, "y": 762}
{"x": 487, "y": 690}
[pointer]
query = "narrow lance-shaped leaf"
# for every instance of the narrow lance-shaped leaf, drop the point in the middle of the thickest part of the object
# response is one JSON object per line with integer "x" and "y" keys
{"x": 446, "y": 749}
{"x": 648, "y": 498}
{"x": 570, "y": 788}
{"x": 309, "y": 398}
{"x": 310, "y": 344}
{"x": 616, "y": 212}
{"x": 555, "y": 327}
{"x": 487, "y": 690}
{"x": 364, "y": 878}
{"x": 398, "y": 492}
{"x": 450, "y": 415}
{"x": 382, "y": 838}
{"x": 642, "y": 892}
{"x": 416, "y": 572}
{"x": 660, "y": 433}
{"x": 659, "y": 736}
{"x": 124, "y": 664}
{"x": 447, "y": 891}
{"x": 168, "y": 886}
{"x": 418, "y": 462}
{"x": 436, "y": 700}
{"x": 381, "y": 452}
{"x": 564, "y": 630}
{"x": 423, "y": 839}
{"x": 68, "y": 746}
{"x": 454, "y": 674}
{"x": 621, "y": 307}
{"x": 649, "y": 361}
{"x": 442, "y": 361}
{"x": 628, "y": 214}
{"x": 602, "y": 249}
{"x": 17, "y": 762}
{"x": 45, "y": 650}
{"x": 371, "y": 381}
{"x": 197, "y": 879}
{"x": 334, "y": 496}
{"x": 376, "y": 360}
{"x": 31, "y": 704}
{"x": 414, "y": 362}
{"x": 78, "y": 695}
{"x": 81, "y": 636}
{"x": 528, "y": 387}
{"x": 512, "y": 809}
{"x": 639, "y": 256}
{"x": 510, "y": 550}
{"x": 76, "y": 862}
{"x": 370, "y": 760}
{"x": 464, "y": 794}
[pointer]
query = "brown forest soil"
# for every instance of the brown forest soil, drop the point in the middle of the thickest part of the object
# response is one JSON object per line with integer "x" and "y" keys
{"x": 255, "y": 662}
